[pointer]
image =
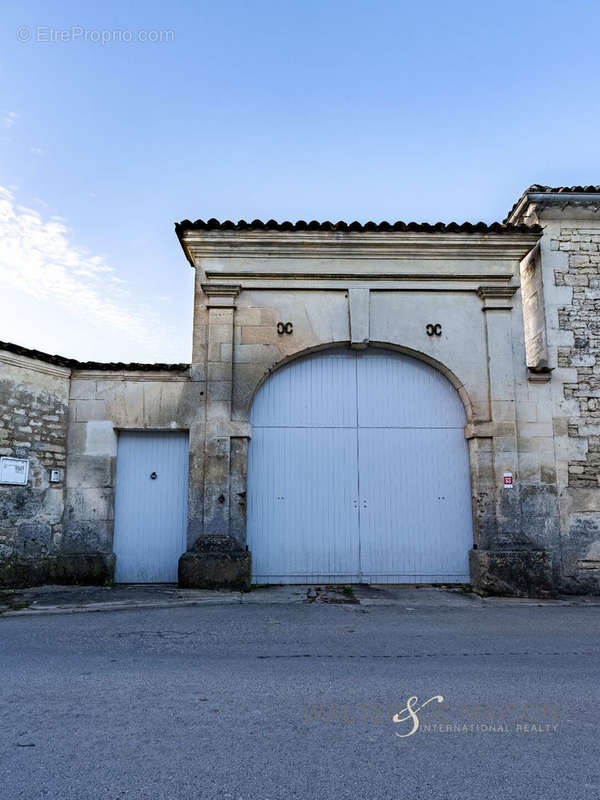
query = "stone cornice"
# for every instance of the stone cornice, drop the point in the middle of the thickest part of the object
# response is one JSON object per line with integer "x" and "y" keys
{"x": 318, "y": 244}
{"x": 407, "y": 282}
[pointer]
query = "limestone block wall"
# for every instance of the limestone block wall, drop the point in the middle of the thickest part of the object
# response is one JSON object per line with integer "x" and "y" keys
{"x": 581, "y": 317}
{"x": 33, "y": 424}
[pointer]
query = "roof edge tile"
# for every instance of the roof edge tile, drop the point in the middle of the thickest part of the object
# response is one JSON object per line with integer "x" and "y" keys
{"x": 354, "y": 227}
{"x": 72, "y": 363}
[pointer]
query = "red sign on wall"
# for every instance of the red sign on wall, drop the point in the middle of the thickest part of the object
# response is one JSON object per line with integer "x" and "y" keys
{"x": 508, "y": 480}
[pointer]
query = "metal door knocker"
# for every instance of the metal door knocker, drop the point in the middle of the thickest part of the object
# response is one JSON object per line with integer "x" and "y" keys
{"x": 153, "y": 476}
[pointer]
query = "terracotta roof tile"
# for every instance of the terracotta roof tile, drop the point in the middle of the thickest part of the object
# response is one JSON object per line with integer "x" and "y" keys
{"x": 352, "y": 227}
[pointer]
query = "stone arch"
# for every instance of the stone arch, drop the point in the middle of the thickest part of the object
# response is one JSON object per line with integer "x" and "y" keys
{"x": 417, "y": 354}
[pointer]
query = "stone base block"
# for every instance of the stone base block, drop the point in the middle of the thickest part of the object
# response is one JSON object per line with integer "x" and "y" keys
{"x": 516, "y": 573}
{"x": 95, "y": 569}
{"x": 216, "y": 562}
{"x": 585, "y": 580}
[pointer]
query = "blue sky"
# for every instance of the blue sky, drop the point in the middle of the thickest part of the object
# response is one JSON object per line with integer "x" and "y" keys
{"x": 315, "y": 110}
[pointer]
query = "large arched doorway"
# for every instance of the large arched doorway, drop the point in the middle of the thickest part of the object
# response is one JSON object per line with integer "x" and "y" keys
{"x": 358, "y": 472}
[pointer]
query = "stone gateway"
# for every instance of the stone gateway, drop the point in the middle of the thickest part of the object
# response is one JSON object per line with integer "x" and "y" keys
{"x": 365, "y": 403}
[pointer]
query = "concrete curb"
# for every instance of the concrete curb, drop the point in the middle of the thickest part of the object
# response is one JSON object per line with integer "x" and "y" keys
{"x": 296, "y": 596}
{"x": 120, "y": 606}
{"x": 211, "y": 598}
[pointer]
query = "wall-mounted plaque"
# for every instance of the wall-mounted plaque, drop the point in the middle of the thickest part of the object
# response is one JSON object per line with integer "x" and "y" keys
{"x": 14, "y": 470}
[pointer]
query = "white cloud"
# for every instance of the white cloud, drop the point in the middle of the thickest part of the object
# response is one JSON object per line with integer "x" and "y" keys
{"x": 9, "y": 119}
{"x": 37, "y": 151}
{"x": 39, "y": 261}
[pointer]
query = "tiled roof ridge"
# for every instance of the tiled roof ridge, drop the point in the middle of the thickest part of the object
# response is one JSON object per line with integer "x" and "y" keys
{"x": 354, "y": 227}
{"x": 72, "y": 363}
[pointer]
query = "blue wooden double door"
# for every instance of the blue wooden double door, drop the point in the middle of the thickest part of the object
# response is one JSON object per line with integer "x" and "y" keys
{"x": 359, "y": 472}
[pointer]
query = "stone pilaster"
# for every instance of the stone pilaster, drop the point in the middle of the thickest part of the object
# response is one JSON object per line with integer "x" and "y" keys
{"x": 215, "y": 557}
{"x": 219, "y": 369}
{"x": 503, "y": 562}
{"x": 497, "y": 307}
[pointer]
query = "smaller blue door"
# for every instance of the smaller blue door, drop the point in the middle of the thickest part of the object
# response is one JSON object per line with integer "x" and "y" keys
{"x": 150, "y": 506}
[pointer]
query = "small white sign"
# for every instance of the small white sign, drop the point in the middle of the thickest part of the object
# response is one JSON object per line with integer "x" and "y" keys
{"x": 508, "y": 480}
{"x": 14, "y": 470}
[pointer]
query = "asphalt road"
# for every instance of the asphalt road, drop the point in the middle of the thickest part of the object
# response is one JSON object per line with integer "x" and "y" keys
{"x": 296, "y": 701}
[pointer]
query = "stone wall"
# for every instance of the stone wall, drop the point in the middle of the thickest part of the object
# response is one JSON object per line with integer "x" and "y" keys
{"x": 570, "y": 286}
{"x": 61, "y": 417}
{"x": 582, "y": 318}
{"x": 575, "y": 255}
{"x": 33, "y": 424}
